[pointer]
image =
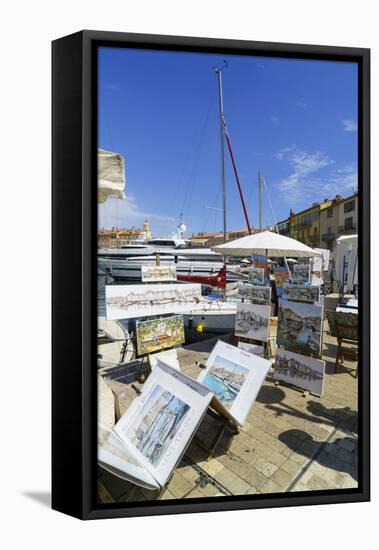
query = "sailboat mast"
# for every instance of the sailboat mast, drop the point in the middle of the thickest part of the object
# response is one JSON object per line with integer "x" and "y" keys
{"x": 222, "y": 141}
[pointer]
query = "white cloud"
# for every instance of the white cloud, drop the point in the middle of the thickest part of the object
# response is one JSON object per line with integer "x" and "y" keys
{"x": 349, "y": 125}
{"x": 127, "y": 213}
{"x": 282, "y": 152}
{"x": 305, "y": 183}
{"x": 274, "y": 119}
{"x": 344, "y": 180}
{"x": 304, "y": 165}
{"x": 300, "y": 103}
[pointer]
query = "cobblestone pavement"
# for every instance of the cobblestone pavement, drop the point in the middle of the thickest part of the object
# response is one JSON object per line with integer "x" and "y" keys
{"x": 290, "y": 442}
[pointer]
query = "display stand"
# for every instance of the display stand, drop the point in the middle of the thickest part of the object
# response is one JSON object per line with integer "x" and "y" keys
{"x": 225, "y": 423}
{"x": 304, "y": 393}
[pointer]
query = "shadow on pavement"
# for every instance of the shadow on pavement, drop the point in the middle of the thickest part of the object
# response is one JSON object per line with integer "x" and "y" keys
{"x": 326, "y": 454}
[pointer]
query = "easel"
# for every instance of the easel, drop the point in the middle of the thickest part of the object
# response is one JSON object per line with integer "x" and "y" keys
{"x": 226, "y": 422}
{"x": 304, "y": 393}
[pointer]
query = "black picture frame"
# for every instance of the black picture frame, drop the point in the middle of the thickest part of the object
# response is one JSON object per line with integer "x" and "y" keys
{"x": 74, "y": 207}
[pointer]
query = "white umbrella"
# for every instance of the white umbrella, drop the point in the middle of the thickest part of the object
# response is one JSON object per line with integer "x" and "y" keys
{"x": 268, "y": 243}
{"x": 110, "y": 175}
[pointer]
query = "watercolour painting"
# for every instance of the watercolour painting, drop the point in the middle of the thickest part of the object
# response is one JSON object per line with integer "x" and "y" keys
{"x": 301, "y": 293}
{"x": 157, "y": 424}
{"x": 158, "y": 273}
{"x": 256, "y": 294}
{"x": 158, "y": 334}
{"x": 252, "y": 321}
{"x": 300, "y": 327}
{"x": 128, "y": 301}
{"x": 256, "y": 275}
{"x": 303, "y": 372}
{"x": 281, "y": 275}
{"x": 225, "y": 378}
{"x": 301, "y": 273}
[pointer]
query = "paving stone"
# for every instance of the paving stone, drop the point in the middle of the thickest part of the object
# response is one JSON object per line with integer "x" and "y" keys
{"x": 264, "y": 466}
{"x": 349, "y": 483}
{"x": 282, "y": 478}
{"x": 315, "y": 483}
{"x": 291, "y": 467}
{"x": 271, "y": 487}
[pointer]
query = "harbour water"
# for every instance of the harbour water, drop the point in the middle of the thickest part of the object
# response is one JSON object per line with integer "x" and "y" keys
{"x": 220, "y": 389}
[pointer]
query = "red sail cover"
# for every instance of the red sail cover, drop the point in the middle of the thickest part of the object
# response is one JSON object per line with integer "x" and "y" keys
{"x": 218, "y": 280}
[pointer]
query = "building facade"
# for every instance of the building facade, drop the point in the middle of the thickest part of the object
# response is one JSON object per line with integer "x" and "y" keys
{"x": 348, "y": 215}
{"x": 119, "y": 237}
{"x": 320, "y": 225}
{"x": 207, "y": 240}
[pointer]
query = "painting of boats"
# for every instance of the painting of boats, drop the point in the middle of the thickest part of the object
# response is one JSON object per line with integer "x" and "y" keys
{"x": 304, "y": 372}
{"x": 256, "y": 294}
{"x": 256, "y": 275}
{"x": 302, "y": 293}
{"x": 157, "y": 334}
{"x": 300, "y": 327}
{"x": 255, "y": 349}
{"x": 157, "y": 423}
{"x": 252, "y": 321}
{"x": 128, "y": 301}
{"x": 225, "y": 378}
{"x": 158, "y": 273}
{"x": 301, "y": 273}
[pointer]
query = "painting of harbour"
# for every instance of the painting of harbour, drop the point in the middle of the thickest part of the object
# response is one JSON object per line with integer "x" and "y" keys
{"x": 301, "y": 273}
{"x": 255, "y": 294}
{"x": 157, "y": 424}
{"x": 256, "y": 275}
{"x": 158, "y": 334}
{"x": 302, "y": 293}
{"x": 158, "y": 273}
{"x": 300, "y": 327}
{"x": 252, "y": 321}
{"x": 225, "y": 378}
{"x": 255, "y": 349}
{"x": 127, "y": 301}
{"x": 304, "y": 372}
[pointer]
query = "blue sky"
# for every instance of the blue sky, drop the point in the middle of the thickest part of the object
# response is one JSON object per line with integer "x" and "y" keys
{"x": 295, "y": 120}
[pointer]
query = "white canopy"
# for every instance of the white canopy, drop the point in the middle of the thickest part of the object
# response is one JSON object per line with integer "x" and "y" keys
{"x": 268, "y": 243}
{"x": 110, "y": 175}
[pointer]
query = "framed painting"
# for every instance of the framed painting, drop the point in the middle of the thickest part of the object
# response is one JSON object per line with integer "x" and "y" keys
{"x": 160, "y": 144}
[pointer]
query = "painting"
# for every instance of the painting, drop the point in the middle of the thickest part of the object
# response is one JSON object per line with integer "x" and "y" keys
{"x": 157, "y": 423}
{"x": 252, "y": 321}
{"x": 235, "y": 376}
{"x": 255, "y": 349}
{"x": 158, "y": 273}
{"x": 157, "y": 334}
{"x": 303, "y": 372}
{"x": 343, "y": 324}
{"x": 281, "y": 275}
{"x": 256, "y": 275}
{"x": 301, "y": 273}
{"x": 301, "y": 293}
{"x": 259, "y": 260}
{"x": 128, "y": 301}
{"x": 256, "y": 294}
{"x": 300, "y": 327}
{"x": 225, "y": 378}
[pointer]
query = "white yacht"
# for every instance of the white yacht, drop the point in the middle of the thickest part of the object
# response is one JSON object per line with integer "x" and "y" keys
{"x": 126, "y": 262}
